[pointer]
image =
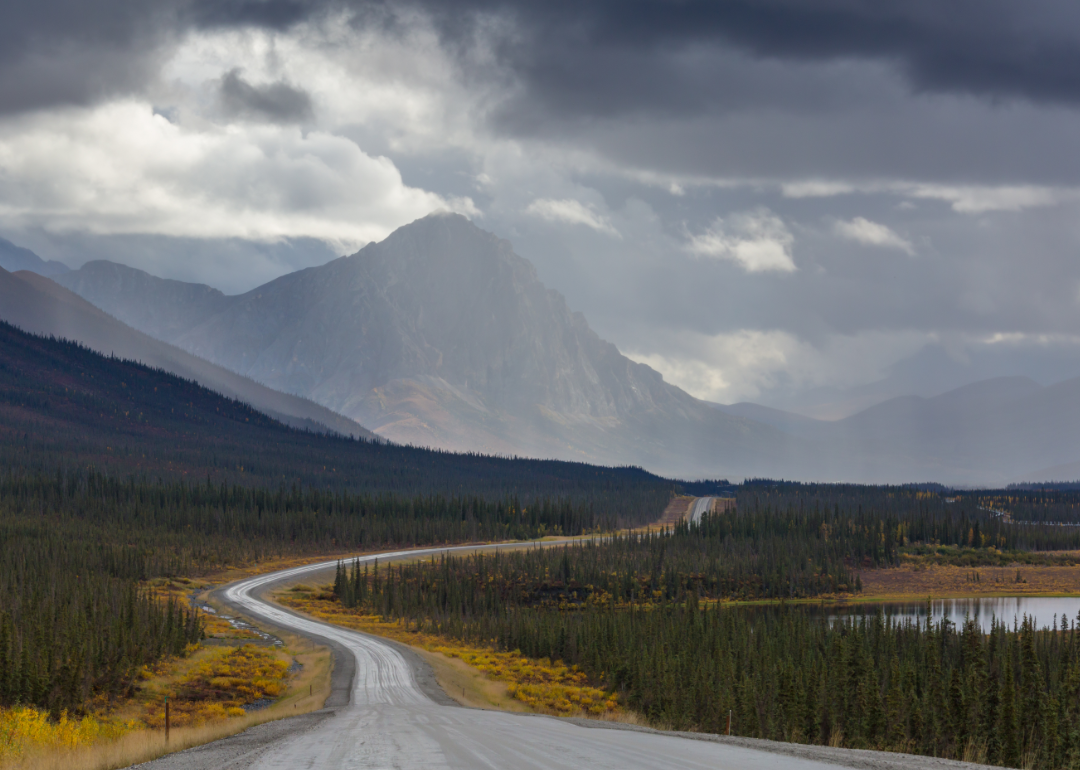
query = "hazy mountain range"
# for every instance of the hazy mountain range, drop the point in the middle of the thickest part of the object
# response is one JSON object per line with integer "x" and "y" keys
{"x": 992, "y": 431}
{"x": 441, "y": 335}
{"x": 14, "y": 258}
{"x": 36, "y": 304}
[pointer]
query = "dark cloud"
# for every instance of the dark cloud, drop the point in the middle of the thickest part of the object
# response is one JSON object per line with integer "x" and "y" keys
{"x": 599, "y": 56}
{"x": 624, "y": 53}
{"x": 268, "y": 14}
{"x": 274, "y": 102}
{"x": 59, "y": 52}
{"x": 71, "y": 52}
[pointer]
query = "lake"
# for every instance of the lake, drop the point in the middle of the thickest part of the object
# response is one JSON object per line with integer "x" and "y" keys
{"x": 983, "y": 610}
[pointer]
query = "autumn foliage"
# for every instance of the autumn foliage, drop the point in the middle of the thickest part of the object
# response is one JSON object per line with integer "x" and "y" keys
{"x": 542, "y": 684}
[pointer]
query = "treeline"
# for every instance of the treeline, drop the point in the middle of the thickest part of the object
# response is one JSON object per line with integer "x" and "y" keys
{"x": 1036, "y": 506}
{"x": 1009, "y": 697}
{"x": 906, "y": 515}
{"x": 713, "y": 560}
{"x": 150, "y": 529}
{"x": 63, "y": 406}
{"x": 628, "y": 610}
{"x": 74, "y": 549}
{"x": 787, "y": 542}
{"x": 112, "y": 473}
{"x": 69, "y": 628}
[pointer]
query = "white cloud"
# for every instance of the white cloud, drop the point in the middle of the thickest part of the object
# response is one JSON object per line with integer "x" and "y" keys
{"x": 815, "y": 189}
{"x": 964, "y": 199}
{"x": 725, "y": 367}
{"x": 862, "y": 230}
{"x": 402, "y": 90}
{"x": 769, "y": 366}
{"x": 979, "y": 200}
{"x": 1021, "y": 338}
{"x": 758, "y": 240}
{"x": 572, "y": 212}
{"x": 119, "y": 168}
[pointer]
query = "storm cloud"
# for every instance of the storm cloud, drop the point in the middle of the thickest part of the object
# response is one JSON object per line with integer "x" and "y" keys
{"x": 605, "y": 56}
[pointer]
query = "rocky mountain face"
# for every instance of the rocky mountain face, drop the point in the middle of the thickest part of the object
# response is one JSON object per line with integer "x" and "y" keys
{"x": 442, "y": 336}
{"x": 37, "y": 305}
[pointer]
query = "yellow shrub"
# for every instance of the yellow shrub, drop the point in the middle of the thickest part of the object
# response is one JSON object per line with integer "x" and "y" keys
{"x": 220, "y": 686}
{"x": 24, "y": 729}
{"x": 544, "y": 685}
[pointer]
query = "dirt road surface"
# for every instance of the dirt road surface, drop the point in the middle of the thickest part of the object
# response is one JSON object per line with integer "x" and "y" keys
{"x": 701, "y": 505}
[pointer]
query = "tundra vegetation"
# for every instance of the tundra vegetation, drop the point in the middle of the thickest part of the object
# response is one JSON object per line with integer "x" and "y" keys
{"x": 660, "y": 620}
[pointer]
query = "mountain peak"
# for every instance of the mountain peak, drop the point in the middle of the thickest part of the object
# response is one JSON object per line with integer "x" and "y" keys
{"x": 447, "y": 253}
{"x": 441, "y": 335}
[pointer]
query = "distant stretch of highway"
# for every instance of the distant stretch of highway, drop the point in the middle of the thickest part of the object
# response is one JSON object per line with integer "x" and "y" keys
{"x": 701, "y": 507}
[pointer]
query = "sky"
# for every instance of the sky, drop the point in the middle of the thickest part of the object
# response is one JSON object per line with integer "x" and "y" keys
{"x": 811, "y": 204}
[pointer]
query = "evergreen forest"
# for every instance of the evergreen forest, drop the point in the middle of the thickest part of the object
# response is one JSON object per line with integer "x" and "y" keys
{"x": 112, "y": 473}
{"x": 65, "y": 407}
{"x": 673, "y": 621}
{"x": 74, "y": 549}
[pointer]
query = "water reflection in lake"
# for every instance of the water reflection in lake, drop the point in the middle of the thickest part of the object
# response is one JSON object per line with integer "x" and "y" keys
{"x": 983, "y": 610}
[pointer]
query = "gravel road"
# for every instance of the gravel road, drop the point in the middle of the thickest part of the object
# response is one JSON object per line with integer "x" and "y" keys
{"x": 700, "y": 506}
{"x": 387, "y": 711}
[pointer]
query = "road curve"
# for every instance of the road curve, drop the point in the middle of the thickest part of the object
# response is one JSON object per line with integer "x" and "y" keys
{"x": 385, "y": 720}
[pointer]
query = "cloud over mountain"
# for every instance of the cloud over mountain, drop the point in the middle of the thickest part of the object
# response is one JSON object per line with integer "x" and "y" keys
{"x": 624, "y": 147}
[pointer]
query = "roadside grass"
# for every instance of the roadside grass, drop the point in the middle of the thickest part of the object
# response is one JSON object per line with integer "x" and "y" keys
{"x": 480, "y": 677}
{"x": 206, "y": 691}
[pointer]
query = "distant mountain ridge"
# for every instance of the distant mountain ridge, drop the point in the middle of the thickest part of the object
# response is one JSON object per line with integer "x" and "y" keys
{"x": 37, "y": 305}
{"x": 14, "y": 258}
{"x": 66, "y": 408}
{"x": 165, "y": 308}
{"x": 999, "y": 430}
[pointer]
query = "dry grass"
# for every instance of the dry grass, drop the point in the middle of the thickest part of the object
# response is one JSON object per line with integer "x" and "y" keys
{"x": 468, "y": 685}
{"x": 920, "y": 581}
{"x": 676, "y": 511}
